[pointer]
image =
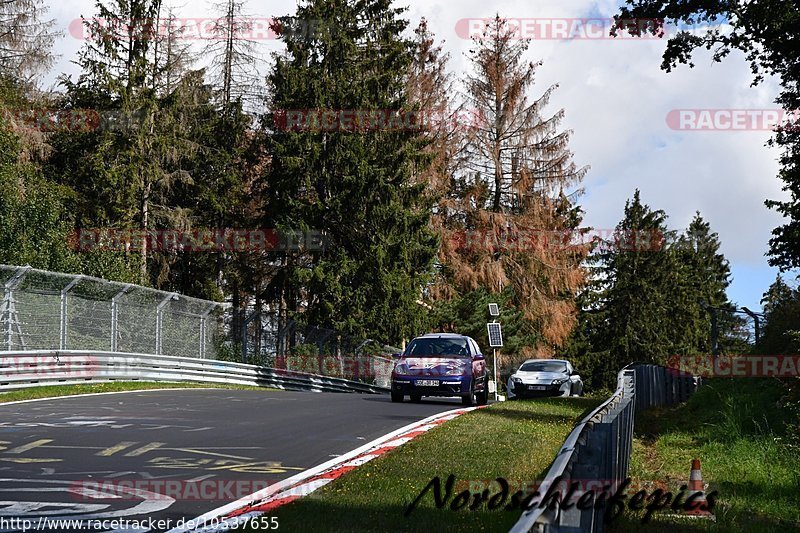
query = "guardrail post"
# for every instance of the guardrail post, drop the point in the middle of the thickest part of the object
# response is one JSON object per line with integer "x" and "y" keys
{"x": 652, "y": 384}
{"x": 62, "y": 319}
{"x": 9, "y": 309}
{"x": 160, "y": 319}
{"x": 592, "y": 464}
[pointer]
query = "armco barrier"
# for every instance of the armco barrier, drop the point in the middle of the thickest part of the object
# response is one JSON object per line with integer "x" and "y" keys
{"x": 599, "y": 447}
{"x": 39, "y": 368}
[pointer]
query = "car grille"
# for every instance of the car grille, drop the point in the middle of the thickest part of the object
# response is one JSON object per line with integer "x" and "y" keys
{"x": 521, "y": 389}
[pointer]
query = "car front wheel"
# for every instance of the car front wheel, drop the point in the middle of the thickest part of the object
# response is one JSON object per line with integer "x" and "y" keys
{"x": 469, "y": 399}
{"x": 397, "y": 397}
{"x": 483, "y": 396}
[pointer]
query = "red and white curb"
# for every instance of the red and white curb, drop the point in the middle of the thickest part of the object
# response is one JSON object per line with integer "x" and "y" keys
{"x": 235, "y": 513}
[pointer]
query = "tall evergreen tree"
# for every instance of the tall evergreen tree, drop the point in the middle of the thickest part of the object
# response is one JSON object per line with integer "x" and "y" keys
{"x": 432, "y": 91}
{"x": 118, "y": 168}
{"x": 651, "y": 294}
{"x": 126, "y": 172}
{"x": 26, "y": 39}
{"x": 355, "y": 187}
{"x": 781, "y": 332}
{"x": 707, "y": 276}
{"x": 636, "y": 295}
{"x": 234, "y": 56}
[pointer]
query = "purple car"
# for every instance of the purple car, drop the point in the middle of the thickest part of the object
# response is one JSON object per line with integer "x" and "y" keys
{"x": 441, "y": 364}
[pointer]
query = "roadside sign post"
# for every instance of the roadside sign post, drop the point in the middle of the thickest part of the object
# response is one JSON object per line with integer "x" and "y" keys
{"x": 496, "y": 391}
{"x": 495, "y": 342}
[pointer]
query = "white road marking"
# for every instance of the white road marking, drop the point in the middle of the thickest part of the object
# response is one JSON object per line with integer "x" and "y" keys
{"x": 297, "y": 478}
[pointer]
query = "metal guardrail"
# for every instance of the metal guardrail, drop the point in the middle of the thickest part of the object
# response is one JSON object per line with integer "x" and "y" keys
{"x": 662, "y": 386}
{"x": 40, "y": 368}
{"x": 599, "y": 448}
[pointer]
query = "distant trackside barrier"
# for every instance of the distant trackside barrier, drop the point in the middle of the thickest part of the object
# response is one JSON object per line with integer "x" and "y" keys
{"x": 600, "y": 446}
{"x": 40, "y": 368}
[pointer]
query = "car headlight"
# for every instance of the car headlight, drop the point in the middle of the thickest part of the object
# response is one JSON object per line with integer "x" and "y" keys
{"x": 402, "y": 368}
{"x": 559, "y": 381}
{"x": 516, "y": 380}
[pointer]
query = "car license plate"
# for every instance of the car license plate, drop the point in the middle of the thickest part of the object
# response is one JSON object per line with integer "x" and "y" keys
{"x": 427, "y": 383}
{"x": 536, "y": 387}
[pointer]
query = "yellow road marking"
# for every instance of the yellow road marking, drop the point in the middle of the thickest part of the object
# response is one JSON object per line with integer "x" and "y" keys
{"x": 203, "y": 452}
{"x": 144, "y": 449}
{"x": 114, "y": 449}
{"x": 26, "y": 460}
{"x": 31, "y": 445}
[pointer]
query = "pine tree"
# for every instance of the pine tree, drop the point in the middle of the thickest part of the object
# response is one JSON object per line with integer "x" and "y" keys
{"x": 234, "y": 57}
{"x": 781, "y": 331}
{"x": 120, "y": 167}
{"x": 636, "y": 300}
{"x": 432, "y": 91}
{"x": 355, "y": 187}
{"x": 650, "y": 295}
{"x": 706, "y": 273}
{"x": 26, "y": 39}
{"x": 125, "y": 171}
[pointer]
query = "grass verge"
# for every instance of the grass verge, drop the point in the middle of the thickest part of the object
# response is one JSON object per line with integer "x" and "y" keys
{"x": 737, "y": 428}
{"x": 51, "y": 391}
{"x": 515, "y": 440}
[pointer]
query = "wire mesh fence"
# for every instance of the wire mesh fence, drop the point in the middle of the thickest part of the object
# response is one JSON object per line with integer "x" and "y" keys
{"x": 42, "y": 310}
{"x": 289, "y": 345}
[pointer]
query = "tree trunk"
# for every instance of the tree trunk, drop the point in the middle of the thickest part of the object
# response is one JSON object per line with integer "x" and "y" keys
{"x": 145, "y": 214}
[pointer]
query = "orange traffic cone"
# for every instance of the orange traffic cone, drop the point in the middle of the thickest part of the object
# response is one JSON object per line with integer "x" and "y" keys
{"x": 699, "y": 504}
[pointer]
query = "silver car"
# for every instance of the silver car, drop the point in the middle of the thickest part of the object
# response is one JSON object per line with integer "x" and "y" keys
{"x": 539, "y": 378}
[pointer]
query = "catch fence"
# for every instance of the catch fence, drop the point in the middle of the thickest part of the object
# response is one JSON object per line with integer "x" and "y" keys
{"x": 41, "y": 310}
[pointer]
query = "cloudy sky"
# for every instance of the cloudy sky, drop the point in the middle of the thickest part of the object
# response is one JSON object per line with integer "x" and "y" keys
{"x": 617, "y": 101}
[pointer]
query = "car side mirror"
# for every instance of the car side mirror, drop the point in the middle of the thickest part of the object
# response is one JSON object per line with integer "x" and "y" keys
{"x": 478, "y": 357}
{"x": 396, "y": 355}
{"x": 573, "y": 373}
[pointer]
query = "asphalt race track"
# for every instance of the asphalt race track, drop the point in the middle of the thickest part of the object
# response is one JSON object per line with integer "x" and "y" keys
{"x": 178, "y": 453}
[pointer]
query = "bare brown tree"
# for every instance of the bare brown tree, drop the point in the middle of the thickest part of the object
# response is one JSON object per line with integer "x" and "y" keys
{"x": 514, "y": 201}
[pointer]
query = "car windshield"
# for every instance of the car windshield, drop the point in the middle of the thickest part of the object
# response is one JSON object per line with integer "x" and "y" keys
{"x": 544, "y": 366}
{"x": 437, "y": 347}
